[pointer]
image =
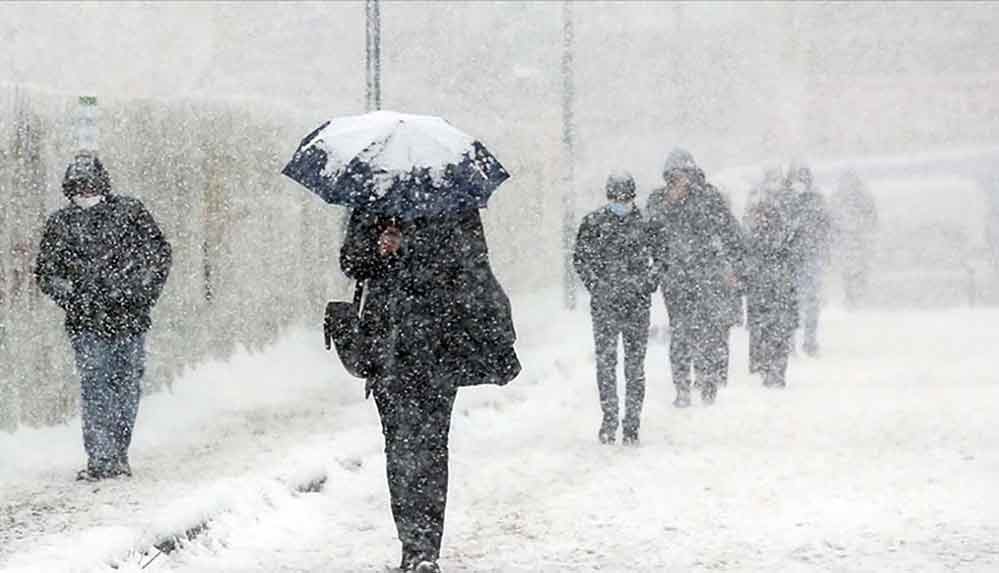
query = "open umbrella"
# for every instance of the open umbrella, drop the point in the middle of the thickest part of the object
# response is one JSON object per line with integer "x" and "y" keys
{"x": 396, "y": 164}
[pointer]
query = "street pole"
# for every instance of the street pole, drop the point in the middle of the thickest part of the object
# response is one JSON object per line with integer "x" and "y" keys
{"x": 568, "y": 159}
{"x": 374, "y": 55}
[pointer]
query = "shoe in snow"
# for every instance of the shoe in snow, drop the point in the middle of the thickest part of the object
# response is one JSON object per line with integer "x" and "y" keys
{"x": 427, "y": 567}
{"x": 121, "y": 468}
{"x": 606, "y": 437}
{"x": 629, "y": 439}
{"x": 773, "y": 381}
{"x": 682, "y": 398}
{"x": 92, "y": 473}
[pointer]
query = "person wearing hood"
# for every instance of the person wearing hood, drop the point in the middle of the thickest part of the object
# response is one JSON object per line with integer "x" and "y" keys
{"x": 104, "y": 261}
{"x": 612, "y": 258}
{"x": 698, "y": 250}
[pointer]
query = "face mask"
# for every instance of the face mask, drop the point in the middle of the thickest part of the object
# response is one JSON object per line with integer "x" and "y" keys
{"x": 620, "y": 209}
{"x": 88, "y": 202}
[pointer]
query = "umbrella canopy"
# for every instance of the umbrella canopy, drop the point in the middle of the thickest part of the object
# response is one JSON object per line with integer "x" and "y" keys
{"x": 396, "y": 164}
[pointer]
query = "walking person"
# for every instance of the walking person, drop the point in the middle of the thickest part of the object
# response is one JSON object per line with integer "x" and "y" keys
{"x": 855, "y": 222}
{"x": 698, "y": 244}
{"x": 104, "y": 260}
{"x": 437, "y": 320}
{"x": 772, "y": 264}
{"x": 814, "y": 234}
{"x": 612, "y": 258}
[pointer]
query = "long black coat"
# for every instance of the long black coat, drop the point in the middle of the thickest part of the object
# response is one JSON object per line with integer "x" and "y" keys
{"x": 105, "y": 266}
{"x": 696, "y": 242}
{"x": 774, "y": 259}
{"x": 434, "y": 312}
{"x": 612, "y": 258}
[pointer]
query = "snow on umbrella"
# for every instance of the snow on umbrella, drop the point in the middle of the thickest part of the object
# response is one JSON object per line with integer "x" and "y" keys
{"x": 396, "y": 164}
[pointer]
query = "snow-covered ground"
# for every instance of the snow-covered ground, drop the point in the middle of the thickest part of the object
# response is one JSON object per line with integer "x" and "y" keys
{"x": 883, "y": 455}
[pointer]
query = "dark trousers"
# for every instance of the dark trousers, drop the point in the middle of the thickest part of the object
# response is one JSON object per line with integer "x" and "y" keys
{"x": 697, "y": 346}
{"x": 111, "y": 371}
{"x": 416, "y": 420}
{"x": 769, "y": 348}
{"x": 628, "y": 321}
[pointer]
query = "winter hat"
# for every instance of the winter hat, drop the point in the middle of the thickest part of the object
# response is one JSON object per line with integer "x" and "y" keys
{"x": 621, "y": 186}
{"x": 681, "y": 160}
{"x": 86, "y": 170}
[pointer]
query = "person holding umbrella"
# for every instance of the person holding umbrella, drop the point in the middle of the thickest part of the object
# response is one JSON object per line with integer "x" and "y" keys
{"x": 434, "y": 316}
{"x": 104, "y": 260}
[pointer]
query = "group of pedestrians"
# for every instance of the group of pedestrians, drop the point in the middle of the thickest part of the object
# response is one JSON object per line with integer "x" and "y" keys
{"x": 436, "y": 318}
{"x": 713, "y": 273}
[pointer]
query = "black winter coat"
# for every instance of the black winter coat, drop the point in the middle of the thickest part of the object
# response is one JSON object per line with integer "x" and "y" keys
{"x": 105, "y": 266}
{"x": 696, "y": 242}
{"x": 434, "y": 312}
{"x": 814, "y": 225}
{"x": 774, "y": 259}
{"x": 613, "y": 260}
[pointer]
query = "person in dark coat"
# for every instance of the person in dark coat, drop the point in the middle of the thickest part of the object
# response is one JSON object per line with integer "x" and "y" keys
{"x": 814, "y": 236}
{"x": 612, "y": 259}
{"x": 436, "y": 319}
{"x": 104, "y": 261}
{"x": 698, "y": 244}
{"x": 771, "y": 290}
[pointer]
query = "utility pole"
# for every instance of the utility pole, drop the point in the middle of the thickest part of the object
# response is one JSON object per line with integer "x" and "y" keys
{"x": 374, "y": 55}
{"x": 568, "y": 158}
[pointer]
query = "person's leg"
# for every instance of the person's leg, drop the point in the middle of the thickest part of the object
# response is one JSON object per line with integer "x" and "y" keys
{"x": 128, "y": 358}
{"x": 778, "y": 348}
{"x": 416, "y": 421}
{"x": 636, "y": 342}
{"x": 396, "y": 413}
{"x": 606, "y": 332}
{"x": 431, "y": 481}
{"x": 681, "y": 351}
{"x": 93, "y": 357}
{"x": 711, "y": 359}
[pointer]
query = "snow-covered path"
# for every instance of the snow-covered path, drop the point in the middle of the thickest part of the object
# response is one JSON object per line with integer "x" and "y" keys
{"x": 881, "y": 456}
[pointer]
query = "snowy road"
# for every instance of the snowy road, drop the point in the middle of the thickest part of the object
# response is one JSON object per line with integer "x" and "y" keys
{"x": 881, "y": 456}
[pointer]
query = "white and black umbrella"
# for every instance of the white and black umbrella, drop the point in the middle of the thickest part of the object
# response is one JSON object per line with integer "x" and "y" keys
{"x": 396, "y": 164}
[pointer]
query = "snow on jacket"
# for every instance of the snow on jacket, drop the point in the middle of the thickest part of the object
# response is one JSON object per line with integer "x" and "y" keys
{"x": 105, "y": 266}
{"x": 434, "y": 311}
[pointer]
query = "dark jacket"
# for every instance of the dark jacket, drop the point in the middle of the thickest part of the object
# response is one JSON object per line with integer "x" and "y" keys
{"x": 774, "y": 257}
{"x": 814, "y": 231}
{"x": 105, "y": 266}
{"x": 695, "y": 243}
{"x": 434, "y": 312}
{"x": 612, "y": 258}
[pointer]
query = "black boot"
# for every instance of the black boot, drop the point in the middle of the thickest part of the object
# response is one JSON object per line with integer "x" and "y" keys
{"x": 427, "y": 567}
{"x": 682, "y": 396}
